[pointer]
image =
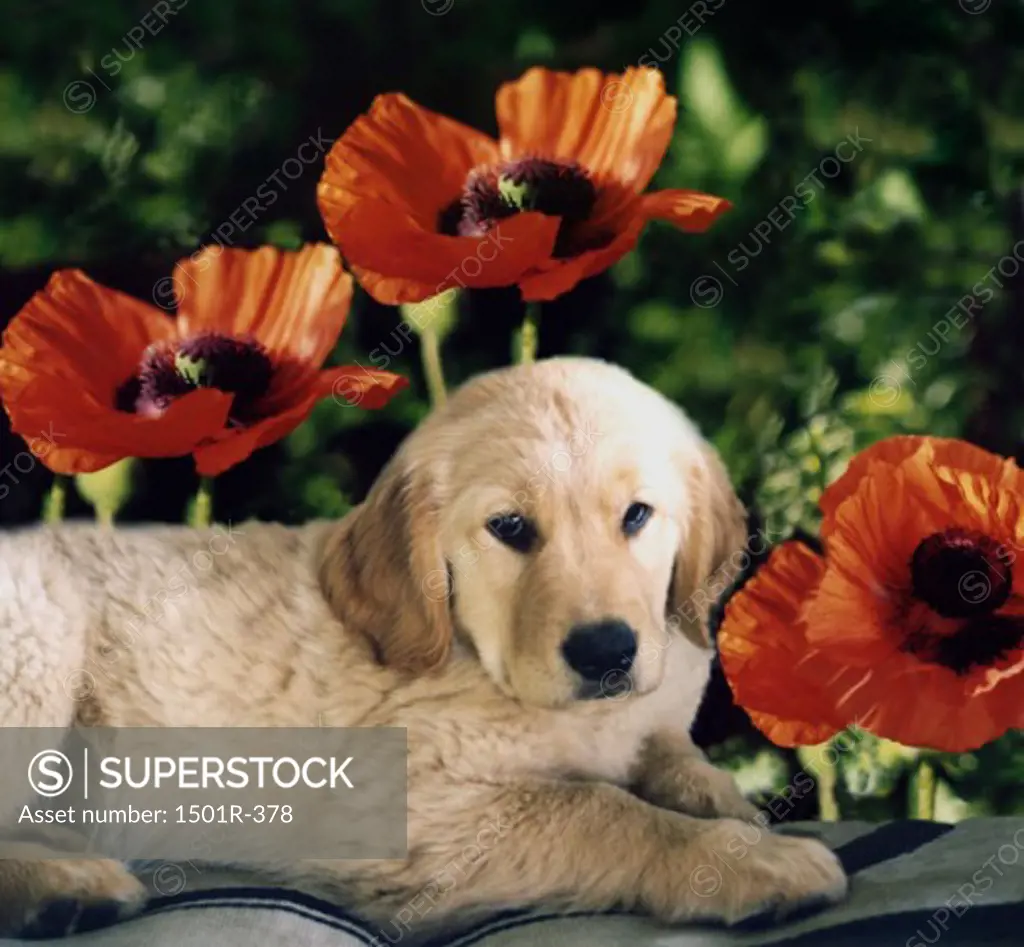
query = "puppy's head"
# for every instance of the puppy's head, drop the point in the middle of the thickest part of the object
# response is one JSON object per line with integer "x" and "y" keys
{"x": 559, "y": 518}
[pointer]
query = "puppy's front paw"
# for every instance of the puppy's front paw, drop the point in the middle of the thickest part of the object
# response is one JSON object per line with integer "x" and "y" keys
{"x": 747, "y": 872}
{"x": 52, "y": 898}
{"x": 698, "y": 788}
{"x": 725, "y": 801}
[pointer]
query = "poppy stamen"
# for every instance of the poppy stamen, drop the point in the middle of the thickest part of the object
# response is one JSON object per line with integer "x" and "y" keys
{"x": 482, "y": 204}
{"x": 961, "y": 573}
{"x": 556, "y": 188}
{"x": 169, "y": 370}
{"x": 492, "y": 194}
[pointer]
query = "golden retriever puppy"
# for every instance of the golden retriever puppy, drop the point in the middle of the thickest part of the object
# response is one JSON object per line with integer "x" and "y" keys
{"x": 521, "y": 590}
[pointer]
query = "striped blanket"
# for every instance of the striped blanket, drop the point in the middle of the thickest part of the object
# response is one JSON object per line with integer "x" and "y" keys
{"x": 913, "y": 884}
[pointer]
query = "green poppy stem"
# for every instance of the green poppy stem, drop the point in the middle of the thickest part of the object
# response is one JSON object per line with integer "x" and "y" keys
{"x": 432, "y": 320}
{"x": 816, "y": 761}
{"x": 430, "y": 353}
{"x": 924, "y": 787}
{"x": 201, "y": 513}
{"x": 528, "y": 334}
{"x": 828, "y": 805}
{"x": 53, "y": 509}
{"x": 107, "y": 490}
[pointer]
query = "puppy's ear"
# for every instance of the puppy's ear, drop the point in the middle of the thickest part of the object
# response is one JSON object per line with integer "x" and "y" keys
{"x": 716, "y": 529}
{"x": 384, "y": 572}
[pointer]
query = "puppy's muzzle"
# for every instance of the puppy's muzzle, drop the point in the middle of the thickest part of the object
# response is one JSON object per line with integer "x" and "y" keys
{"x": 598, "y": 650}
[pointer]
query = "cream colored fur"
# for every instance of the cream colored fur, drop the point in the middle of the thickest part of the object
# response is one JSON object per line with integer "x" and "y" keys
{"x": 409, "y": 613}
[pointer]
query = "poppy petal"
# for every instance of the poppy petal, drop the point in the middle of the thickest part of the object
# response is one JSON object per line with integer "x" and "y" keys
{"x": 85, "y": 335}
{"x": 892, "y": 451}
{"x": 690, "y": 211}
{"x": 917, "y": 704}
{"x": 92, "y": 437}
{"x": 403, "y": 155}
{"x": 350, "y": 385}
{"x": 232, "y": 446}
{"x": 558, "y": 276}
{"x": 75, "y": 460}
{"x": 356, "y": 386}
{"x": 791, "y": 733}
{"x": 612, "y": 230}
{"x": 411, "y": 265}
{"x": 861, "y": 621}
{"x": 393, "y": 290}
{"x": 760, "y": 642}
{"x": 870, "y": 548}
{"x": 615, "y": 126}
{"x": 387, "y": 181}
{"x": 295, "y": 303}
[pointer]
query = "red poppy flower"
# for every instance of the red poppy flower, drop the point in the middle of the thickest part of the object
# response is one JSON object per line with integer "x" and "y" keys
{"x": 918, "y": 622}
{"x": 762, "y": 641}
{"x": 940, "y": 452}
{"x": 419, "y": 203}
{"x": 239, "y": 368}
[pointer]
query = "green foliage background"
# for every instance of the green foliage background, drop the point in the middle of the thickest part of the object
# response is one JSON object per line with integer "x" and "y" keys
{"x": 825, "y": 339}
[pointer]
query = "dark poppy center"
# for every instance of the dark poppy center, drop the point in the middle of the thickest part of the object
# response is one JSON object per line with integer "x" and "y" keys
{"x": 981, "y": 642}
{"x": 237, "y": 366}
{"x": 978, "y": 643}
{"x": 961, "y": 573}
{"x": 556, "y": 188}
{"x": 492, "y": 194}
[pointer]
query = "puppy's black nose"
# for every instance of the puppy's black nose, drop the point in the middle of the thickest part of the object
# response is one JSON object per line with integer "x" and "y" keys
{"x": 594, "y": 649}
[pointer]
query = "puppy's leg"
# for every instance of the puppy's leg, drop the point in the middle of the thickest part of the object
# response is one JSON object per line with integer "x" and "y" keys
{"x": 43, "y": 896}
{"x": 44, "y": 678}
{"x": 590, "y": 846}
{"x": 674, "y": 774}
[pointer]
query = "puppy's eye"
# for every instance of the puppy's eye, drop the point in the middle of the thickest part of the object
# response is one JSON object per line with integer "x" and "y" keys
{"x": 636, "y": 518}
{"x": 514, "y": 530}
